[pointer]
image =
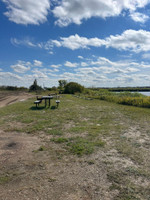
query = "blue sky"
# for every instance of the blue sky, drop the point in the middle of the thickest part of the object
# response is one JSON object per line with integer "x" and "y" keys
{"x": 96, "y": 43}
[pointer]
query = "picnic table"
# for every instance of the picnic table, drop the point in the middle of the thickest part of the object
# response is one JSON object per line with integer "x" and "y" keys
{"x": 47, "y": 98}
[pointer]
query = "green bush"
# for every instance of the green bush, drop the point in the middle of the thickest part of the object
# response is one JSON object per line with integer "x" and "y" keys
{"x": 73, "y": 87}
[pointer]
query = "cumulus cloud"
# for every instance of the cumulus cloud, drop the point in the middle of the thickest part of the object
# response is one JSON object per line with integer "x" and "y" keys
{"x": 74, "y": 11}
{"x": 133, "y": 40}
{"x": 9, "y": 75}
{"x": 94, "y": 71}
{"x": 74, "y": 42}
{"x": 56, "y": 66}
{"x": 37, "y": 63}
{"x": 27, "y": 11}
{"x": 139, "y": 17}
{"x": 80, "y": 57}
{"x": 70, "y": 64}
{"x": 21, "y": 67}
{"x": 129, "y": 40}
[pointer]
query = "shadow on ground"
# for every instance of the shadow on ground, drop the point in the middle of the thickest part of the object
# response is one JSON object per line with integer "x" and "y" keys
{"x": 43, "y": 107}
{"x": 37, "y": 108}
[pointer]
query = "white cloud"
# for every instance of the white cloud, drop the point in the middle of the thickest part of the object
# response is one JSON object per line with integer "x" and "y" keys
{"x": 27, "y": 11}
{"x": 21, "y": 67}
{"x": 8, "y": 78}
{"x": 133, "y": 40}
{"x": 37, "y": 63}
{"x": 139, "y": 17}
{"x": 80, "y": 57}
{"x": 69, "y": 64}
{"x": 96, "y": 71}
{"x": 25, "y": 42}
{"x": 84, "y": 64}
{"x": 74, "y": 11}
{"x": 129, "y": 40}
{"x": 74, "y": 42}
{"x": 39, "y": 74}
{"x": 56, "y": 66}
{"x": 9, "y": 75}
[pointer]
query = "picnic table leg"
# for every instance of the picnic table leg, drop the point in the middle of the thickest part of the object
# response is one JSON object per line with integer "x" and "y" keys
{"x": 45, "y": 102}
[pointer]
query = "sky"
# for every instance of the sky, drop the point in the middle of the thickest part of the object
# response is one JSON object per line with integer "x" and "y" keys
{"x": 96, "y": 43}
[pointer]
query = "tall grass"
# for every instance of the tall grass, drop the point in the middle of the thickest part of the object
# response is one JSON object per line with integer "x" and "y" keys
{"x": 125, "y": 98}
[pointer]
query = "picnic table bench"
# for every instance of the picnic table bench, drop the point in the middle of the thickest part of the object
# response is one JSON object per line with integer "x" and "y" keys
{"x": 37, "y": 102}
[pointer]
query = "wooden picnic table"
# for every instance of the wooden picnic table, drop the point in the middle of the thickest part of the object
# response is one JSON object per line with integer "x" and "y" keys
{"x": 47, "y": 98}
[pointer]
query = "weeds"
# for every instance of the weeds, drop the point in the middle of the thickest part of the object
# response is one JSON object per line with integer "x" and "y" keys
{"x": 79, "y": 145}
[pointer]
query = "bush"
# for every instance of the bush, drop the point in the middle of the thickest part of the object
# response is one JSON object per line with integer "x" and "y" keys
{"x": 73, "y": 87}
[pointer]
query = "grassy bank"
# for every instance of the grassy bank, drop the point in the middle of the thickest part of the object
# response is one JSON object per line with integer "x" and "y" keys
{"x": 90, "y": 133}
{"x": 125, "y": 98}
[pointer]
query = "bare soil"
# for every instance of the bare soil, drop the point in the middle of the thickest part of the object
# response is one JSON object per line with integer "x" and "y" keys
{"x": 7, "y": 98}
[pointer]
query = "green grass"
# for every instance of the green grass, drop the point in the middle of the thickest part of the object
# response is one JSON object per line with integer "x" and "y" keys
{"x": 79, "y": 145}
{"x": 4, "y": 179}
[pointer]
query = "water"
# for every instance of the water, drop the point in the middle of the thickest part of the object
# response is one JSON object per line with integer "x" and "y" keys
{"x": 145, "y": 93}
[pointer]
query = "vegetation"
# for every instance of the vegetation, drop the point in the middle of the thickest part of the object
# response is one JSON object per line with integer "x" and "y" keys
{"x": 12, "y": 88}
{"x": 125, "y": 98}
{"x": 35, "y": 87}
{"x": 125, "y": 89}
{"x": 62, "y": 83}
{"x": 73, "y": 87}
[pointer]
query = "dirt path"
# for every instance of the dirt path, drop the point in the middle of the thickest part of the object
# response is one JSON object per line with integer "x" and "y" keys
{"x": 9, "y": 98}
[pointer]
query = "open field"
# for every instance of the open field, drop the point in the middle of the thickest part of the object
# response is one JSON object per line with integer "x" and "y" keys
{"x": 84, "y": 150}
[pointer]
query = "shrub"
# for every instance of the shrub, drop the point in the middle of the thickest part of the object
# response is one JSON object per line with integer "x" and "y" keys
{"x": 73, "y": 87}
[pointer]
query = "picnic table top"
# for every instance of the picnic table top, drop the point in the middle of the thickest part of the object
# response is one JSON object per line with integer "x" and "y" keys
{"x": 47, "y": 97}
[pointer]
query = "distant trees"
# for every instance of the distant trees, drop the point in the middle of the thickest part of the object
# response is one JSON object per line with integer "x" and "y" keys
{"x": 13, "y": 88}
{"x": 35, "y": 87}
{"x": 73, "y": 87}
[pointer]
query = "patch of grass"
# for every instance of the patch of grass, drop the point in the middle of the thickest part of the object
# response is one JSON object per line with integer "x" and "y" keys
{"x": 54, "y": 132}
{"x": 127, "y": 190}
{"x": 59, "y": 140}
{"x": 4, "y": 179}
{"x": 127, "y": 149}
{"x": 137, "y": 172}
{"x": 78, "y": 129}
{"x": 79, "y": 145}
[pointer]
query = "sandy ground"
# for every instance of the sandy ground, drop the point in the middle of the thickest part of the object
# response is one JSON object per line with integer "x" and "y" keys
{"x": 12, "y": 97}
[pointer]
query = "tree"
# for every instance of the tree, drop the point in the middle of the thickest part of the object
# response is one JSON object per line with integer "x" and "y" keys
{"x": 73, "y": 87}
{"x": 35, "y": 87}
{"x": 62, "y": 83}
